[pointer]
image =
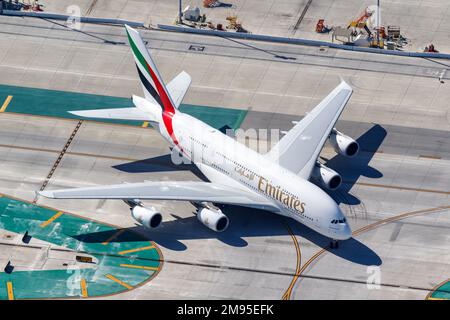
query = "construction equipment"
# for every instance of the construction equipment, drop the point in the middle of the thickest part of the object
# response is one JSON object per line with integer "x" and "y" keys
{"x": 339, "y": 32}
{"x": 361, "y": 22}
{"x": 211, "y": 3}
{"x": 191, "y": 14}
{"x": 377, "y": 42}
{"x": 321, "y": 27}
{"x": 393, "y": 33}
{"x": 234, "y": 24}
{"x": 390, "y": 45}
{"x": 430, "y": 48}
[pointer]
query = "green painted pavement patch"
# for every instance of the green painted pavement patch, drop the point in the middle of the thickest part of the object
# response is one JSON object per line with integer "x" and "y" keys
{"x": 78, "y": 234}
{"x": 442, "y": 292}
{"x": 55, "y": 103}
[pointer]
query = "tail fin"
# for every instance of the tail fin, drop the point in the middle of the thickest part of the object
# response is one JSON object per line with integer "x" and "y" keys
{"x": 152, "y": 83}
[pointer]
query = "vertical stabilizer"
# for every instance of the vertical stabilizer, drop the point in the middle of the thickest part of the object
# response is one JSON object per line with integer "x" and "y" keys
{"x": 152, "y": 83}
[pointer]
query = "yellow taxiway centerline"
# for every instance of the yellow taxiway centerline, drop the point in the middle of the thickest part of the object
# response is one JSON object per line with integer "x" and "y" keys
{"x": 115, "y": 235}
{"x": 56, "y": 216}
{"x": 84, "y": 291}
{"x": 10, "y": 290}
{"x": 138, "y": 267}
{"x": 287, "y": 294}
{"x": 6, "y": 103}
{"x": 137, "y": 249}
{"x": 126, "y": 285}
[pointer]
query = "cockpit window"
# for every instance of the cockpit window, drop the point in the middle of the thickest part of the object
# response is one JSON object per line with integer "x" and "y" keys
{"x": 338, "y": 221}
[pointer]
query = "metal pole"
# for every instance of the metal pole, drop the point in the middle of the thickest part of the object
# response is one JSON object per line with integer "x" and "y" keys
{"x": 179, "y": 12}
{"x": 378, "y": 22}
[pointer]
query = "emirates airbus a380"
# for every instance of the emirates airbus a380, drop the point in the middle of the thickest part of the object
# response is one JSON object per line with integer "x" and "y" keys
{"x": 279, "y": 181}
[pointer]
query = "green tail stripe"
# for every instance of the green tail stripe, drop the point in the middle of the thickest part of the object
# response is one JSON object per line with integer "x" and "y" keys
{"x": 137, "y": 53}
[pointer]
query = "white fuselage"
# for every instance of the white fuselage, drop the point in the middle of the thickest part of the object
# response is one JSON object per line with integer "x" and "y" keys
{"x": 224, "y": 160}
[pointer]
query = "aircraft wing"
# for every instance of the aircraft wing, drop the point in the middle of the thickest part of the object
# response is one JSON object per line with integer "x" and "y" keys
{"x": 178, "y": 87}
{"x": 298, "y": 150}
{"x": 167, "y": 190}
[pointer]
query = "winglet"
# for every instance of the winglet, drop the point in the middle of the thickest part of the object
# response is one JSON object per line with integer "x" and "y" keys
{"x": 345, "y": 85}
{"x": 47, "y": 194}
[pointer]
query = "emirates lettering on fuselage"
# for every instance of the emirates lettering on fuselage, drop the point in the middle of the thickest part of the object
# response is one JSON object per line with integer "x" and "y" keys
{"x": 278, "y": 194}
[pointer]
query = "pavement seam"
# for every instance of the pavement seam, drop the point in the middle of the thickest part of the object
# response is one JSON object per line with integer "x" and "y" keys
{"x": 302, "y": 15}
{"x": 58, "y": 160}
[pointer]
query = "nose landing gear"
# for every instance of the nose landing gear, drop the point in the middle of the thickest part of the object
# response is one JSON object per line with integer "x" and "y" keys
{"x": 334, "y": 244}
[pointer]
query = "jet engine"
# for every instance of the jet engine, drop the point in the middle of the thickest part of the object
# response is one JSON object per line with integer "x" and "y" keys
{"x": 326, "y": 177}
{"x": 148, "y": 217}
{"x": 343, "y": 144}
{"x": 213, "y": 219}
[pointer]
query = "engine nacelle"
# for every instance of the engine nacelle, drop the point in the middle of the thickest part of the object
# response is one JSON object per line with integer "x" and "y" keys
{"x": 213, "y": 219}
{"x": 343, "y": 144}
{"x": 148, "y": 217}
{"x": 326, "y": 177}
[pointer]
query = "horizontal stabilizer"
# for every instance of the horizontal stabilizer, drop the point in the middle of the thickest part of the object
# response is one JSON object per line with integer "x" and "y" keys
{"x": 144, "y": 111}
{"x": 178, "y": 87}
{"x": 115, "y": 113}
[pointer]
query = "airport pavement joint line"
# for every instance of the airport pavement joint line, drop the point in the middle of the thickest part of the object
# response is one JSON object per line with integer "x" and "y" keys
{"x": 61, "y": 155}
{"x": 82, "y": 154}
{"x": 89, "y": 10}
{"x": 6, "y": 103}
{"x": 322, "y": 56}
{"x": 359, "y": 231}
{"x": 332, "y": 65}
{"x": 276, "y": 272}
{"x": 300, "y": 19}
{"x": 234, "y": 268}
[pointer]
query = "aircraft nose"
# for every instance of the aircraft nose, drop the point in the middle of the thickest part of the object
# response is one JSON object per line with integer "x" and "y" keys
{"x": 346, "y": 232}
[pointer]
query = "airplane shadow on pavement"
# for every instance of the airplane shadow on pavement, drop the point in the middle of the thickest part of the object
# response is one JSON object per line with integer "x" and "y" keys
{"x": 246, "y": 222}
{"x": 352, "y": 169}
{"x": 158, "y": 164}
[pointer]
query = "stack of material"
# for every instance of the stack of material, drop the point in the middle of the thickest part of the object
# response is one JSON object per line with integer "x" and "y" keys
{"x": 211, "y": 3}
{"x": 235, "y": 25}
{"x": 321, "y": 27}
{"x": 393, "y": 32}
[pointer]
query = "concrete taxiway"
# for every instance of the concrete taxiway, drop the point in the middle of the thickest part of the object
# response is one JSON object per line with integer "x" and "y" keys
{"x": 396, "y": 193}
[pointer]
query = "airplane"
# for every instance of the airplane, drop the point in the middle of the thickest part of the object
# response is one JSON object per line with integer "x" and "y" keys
{"x": 287, "y": 180}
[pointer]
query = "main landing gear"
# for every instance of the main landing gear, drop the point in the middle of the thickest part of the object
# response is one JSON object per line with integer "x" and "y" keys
{"x": 334, "y": 244}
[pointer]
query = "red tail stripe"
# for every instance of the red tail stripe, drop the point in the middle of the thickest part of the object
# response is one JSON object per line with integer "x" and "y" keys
{"x": 167, "y": 105}
{"x": 168, "y": 109}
